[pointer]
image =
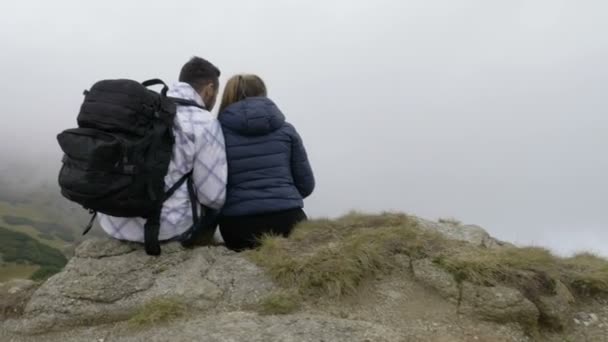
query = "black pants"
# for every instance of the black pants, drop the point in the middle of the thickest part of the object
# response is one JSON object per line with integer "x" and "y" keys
{"x": 243, "y": 232}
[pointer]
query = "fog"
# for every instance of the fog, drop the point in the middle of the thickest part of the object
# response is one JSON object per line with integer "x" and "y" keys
{"x": 492, "y": 112}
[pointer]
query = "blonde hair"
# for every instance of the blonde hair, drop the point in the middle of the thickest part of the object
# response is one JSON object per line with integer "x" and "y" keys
{"x": 240, "y": 87}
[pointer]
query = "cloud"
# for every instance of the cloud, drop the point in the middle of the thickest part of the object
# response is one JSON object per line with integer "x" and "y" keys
{"x": 492, "y": 112}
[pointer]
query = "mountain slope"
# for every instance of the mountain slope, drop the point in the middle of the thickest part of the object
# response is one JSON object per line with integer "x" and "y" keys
{"x": 359, "y": 278}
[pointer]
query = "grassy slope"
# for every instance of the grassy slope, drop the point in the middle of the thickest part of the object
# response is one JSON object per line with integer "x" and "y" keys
{"x": 20, "y": 249}
{"x": 15, "y": 271}
{"x": 326, "y": 258}
{"x": 31, "y": 213}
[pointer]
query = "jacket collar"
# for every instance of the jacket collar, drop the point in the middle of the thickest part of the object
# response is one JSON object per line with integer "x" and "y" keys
{"x": 185, "y": 91}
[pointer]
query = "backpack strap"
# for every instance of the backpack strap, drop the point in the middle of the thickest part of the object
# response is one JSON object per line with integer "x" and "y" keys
{"x": 152, "y": 226}
{"x": 90, "y": 225}
{"x": 151, "y": 232}
{"x": 186, "y": 103}
{"x": 203, "y": 226}
{"x": 178, "y": 185}
{"x": 156, "y": 81}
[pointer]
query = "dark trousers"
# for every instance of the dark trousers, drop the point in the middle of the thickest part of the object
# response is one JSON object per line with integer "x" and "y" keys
{"x": 244, "y": 232}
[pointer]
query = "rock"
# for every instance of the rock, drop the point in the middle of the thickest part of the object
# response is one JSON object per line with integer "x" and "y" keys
{"x": 242, "y": 326}
{"x": 556, "y": 310}
{"x": 242, "y": 282}
{"x": 437, "y": 278}
{"x": 108, "y": 281}
{"x": 14, "y": 296}
{"x": 468, "y": 233}
{"x": 586, "y": 319}
{"x": 498, "y": 304}
{"x": 97, "y": 249}
{"x": 236, "y": 326}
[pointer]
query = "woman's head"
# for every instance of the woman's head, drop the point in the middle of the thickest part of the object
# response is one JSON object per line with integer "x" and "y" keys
{"x": 240, "y": 87}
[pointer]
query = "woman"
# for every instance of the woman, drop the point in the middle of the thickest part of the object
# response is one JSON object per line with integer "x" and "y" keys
{"x": 268, "y": 171}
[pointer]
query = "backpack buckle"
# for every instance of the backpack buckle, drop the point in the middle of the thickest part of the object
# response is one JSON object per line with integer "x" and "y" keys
{"x": 129, "y": 169}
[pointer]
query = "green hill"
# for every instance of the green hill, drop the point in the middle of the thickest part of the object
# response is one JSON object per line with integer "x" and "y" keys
{"x": 50, "y": 223}
{"x": 21, "y": 252}
{"x": 30, "y": 219}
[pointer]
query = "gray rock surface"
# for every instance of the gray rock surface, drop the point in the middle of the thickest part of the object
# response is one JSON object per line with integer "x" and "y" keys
{"x": 437, "y": 278}
{"x": 14, "y": 296}
{"x": 235, "y": 327}
{"x": 557, "y": 310}
{"x": 468, "y": 233}
{"x": 498, "y": 303}
{"x": 108, "y": 281}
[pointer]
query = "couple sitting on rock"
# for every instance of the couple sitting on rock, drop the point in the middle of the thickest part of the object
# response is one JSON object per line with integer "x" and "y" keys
{"x": 249, "y": 165}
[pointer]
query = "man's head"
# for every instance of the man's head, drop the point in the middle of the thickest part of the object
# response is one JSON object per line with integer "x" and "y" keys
{"x": 204, "y": 77}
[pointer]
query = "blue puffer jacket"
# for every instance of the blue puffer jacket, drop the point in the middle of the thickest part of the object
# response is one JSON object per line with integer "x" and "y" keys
{"x": 268, "y": 169}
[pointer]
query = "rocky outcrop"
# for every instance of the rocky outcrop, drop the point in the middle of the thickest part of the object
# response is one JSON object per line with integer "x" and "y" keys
{"x": 243, "y": 326}
{"x": 14, "y": 295}
{"x": 468, "y": 233}
{"x": 500, "y": 304}
{"x": 109, "y": 281}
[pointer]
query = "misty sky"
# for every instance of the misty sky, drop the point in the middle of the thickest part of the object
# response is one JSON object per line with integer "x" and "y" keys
{"x": 492, "y": 112}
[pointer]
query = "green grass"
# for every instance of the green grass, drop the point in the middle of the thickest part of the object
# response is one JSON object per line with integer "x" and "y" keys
{"x": 44, "y": 227}
{"x": 16, "y": 271}
{"x": 22, "y": 249}
{"x": 159, "y": 310}
{"x": 35, "y": 222}
{"x": 332, "y": 258}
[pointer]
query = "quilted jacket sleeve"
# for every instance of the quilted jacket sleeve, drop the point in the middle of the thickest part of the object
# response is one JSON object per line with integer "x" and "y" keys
{"x": 300, "y": 166}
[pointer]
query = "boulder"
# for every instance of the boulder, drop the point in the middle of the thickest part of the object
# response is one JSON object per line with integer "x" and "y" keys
{"x": 557, "y": 310}
{"x": 109, "y": 281}
{"x": 498, "y": 304}
{"x": 468, "y": 233}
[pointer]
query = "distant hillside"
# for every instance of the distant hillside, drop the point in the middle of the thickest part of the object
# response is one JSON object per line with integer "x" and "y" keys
{"x": 21, "y": 252}
{"x": 31, "y": 204}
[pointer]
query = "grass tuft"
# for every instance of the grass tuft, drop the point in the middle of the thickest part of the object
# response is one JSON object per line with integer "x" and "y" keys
{"x": 158, "y": 310}
{"x": 450, "y": 220}
{"x": 333, "y": 257}
{"x": 587, "y": 274}
{"x": 280, "y": 303}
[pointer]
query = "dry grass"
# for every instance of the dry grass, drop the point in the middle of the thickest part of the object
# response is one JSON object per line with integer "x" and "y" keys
{"x": 333, "y": 257}
{"x": 159, "y": 310}
{"x": 532, "y": 270}
{"x": 450, "y": 220}
{"x": 280, "y": 303}
{"x": 586, "y": 273}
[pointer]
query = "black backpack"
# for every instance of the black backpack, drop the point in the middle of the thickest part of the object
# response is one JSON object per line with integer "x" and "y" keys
{"x": 115, "y": 162}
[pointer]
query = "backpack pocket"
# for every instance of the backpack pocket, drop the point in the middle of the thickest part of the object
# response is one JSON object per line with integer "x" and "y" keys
{"x": 92, "y": 149}
{"x": 95, "y": 163}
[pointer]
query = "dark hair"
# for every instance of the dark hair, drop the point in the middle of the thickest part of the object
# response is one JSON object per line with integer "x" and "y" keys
{"x": 199, "y": 72}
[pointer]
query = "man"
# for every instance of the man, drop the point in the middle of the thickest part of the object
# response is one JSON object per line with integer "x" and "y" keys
{"x": 199, "y": 147}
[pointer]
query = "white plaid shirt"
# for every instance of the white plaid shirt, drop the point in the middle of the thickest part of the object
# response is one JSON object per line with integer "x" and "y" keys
{"x": 199, "y": 147}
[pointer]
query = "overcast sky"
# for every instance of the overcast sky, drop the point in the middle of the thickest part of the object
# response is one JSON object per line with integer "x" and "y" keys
{"x": 492, "y": 112}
